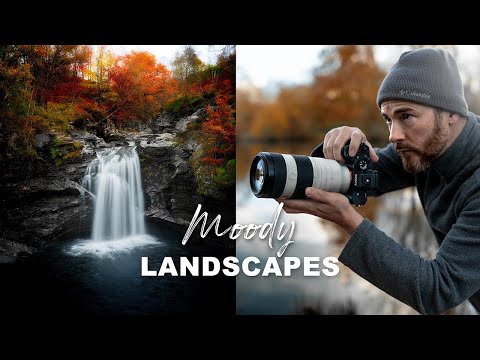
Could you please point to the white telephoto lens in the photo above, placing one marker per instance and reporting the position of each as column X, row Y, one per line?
column 329, row 175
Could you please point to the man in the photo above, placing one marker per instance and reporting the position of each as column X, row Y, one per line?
column 435, row 146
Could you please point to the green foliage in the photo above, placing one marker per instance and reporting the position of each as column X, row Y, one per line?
column 142, row 157
column 56, row 154
column 57, row 116
column 223, row 178
column 15, row 88
column 61, row 152
column 17, row 131
column 201, row 185
column 184, row 104
column 101, row 93
column 225, row 175
column 21, row 140
column 209, row 72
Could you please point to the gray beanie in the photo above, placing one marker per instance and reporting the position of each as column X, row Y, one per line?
column 425, row 76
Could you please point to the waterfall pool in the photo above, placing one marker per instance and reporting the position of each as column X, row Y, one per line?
column 53, row 283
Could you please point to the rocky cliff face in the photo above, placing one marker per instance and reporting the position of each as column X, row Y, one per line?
column 169, row 181
column 42, row 202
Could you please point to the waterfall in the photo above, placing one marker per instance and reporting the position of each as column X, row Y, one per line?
column 113, row 180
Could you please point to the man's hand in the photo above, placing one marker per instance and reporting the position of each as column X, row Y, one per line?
column 330, row 206
column 336, row 138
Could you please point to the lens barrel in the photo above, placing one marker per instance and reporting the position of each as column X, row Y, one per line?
column 274, row 175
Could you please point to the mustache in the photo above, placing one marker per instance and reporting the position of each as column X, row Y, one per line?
column 402, row 147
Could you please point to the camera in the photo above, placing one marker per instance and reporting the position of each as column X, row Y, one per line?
column 286, row 176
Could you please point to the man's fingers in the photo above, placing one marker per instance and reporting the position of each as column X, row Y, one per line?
column 300, row 206
column 356, row 139
column 373, row 154
column 325, row 141
column 339, row 143
column 317, row 194
column 328, row 143
column 289, row 210
column 336, row 138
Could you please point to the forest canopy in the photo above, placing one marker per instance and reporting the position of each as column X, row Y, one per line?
column 58, row 89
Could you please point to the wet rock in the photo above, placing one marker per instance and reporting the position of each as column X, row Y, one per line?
column 89, row 141
column 165, row 122
column 169, row 182
column 164, row 140
column 12, row 248
column 175, row 123
column 41, row 200
column 41, row 140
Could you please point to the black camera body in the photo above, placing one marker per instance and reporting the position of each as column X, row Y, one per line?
column 363, row 178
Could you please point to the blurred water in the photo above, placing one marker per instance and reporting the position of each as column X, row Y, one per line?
column 115, row 179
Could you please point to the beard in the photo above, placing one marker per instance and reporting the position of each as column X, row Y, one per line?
column 415, row 160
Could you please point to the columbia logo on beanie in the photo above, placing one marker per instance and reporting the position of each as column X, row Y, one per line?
column 425, row 76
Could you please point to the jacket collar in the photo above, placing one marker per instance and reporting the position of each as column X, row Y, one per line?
column 462, row 151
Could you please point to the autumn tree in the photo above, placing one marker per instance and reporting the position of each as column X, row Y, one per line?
column 247, row 112
column 346, row 94
column 16, row 100
column 186, row 68
column 51, row 65
column 81, row 55
column 220, row 130
column 218, row 146
column 219, row 77
column 142, row 85
column 226, row 62
column 102, row 60
column 220, row 127
column 343, row 92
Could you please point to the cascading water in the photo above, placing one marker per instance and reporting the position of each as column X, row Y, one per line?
column 119, row 198
column 113, row 179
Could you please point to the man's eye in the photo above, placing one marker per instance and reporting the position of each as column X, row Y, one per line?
column 406, row 116
column 388, row 121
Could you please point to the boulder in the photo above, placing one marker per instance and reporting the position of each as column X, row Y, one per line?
column 197, row 116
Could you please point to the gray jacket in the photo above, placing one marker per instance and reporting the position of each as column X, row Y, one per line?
column 450, row 195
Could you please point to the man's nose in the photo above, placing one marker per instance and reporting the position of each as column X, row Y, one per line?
column 396, row 133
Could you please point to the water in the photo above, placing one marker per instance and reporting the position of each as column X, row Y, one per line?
column 55, row 284
column 114, row 177
column 114, row 180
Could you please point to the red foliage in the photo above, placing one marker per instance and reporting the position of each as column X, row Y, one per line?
column 69, row 88
column 220, row 130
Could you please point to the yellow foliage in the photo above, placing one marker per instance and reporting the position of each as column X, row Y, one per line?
column 57, row 116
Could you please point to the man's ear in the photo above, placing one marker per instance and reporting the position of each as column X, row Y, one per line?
column 453, row 118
